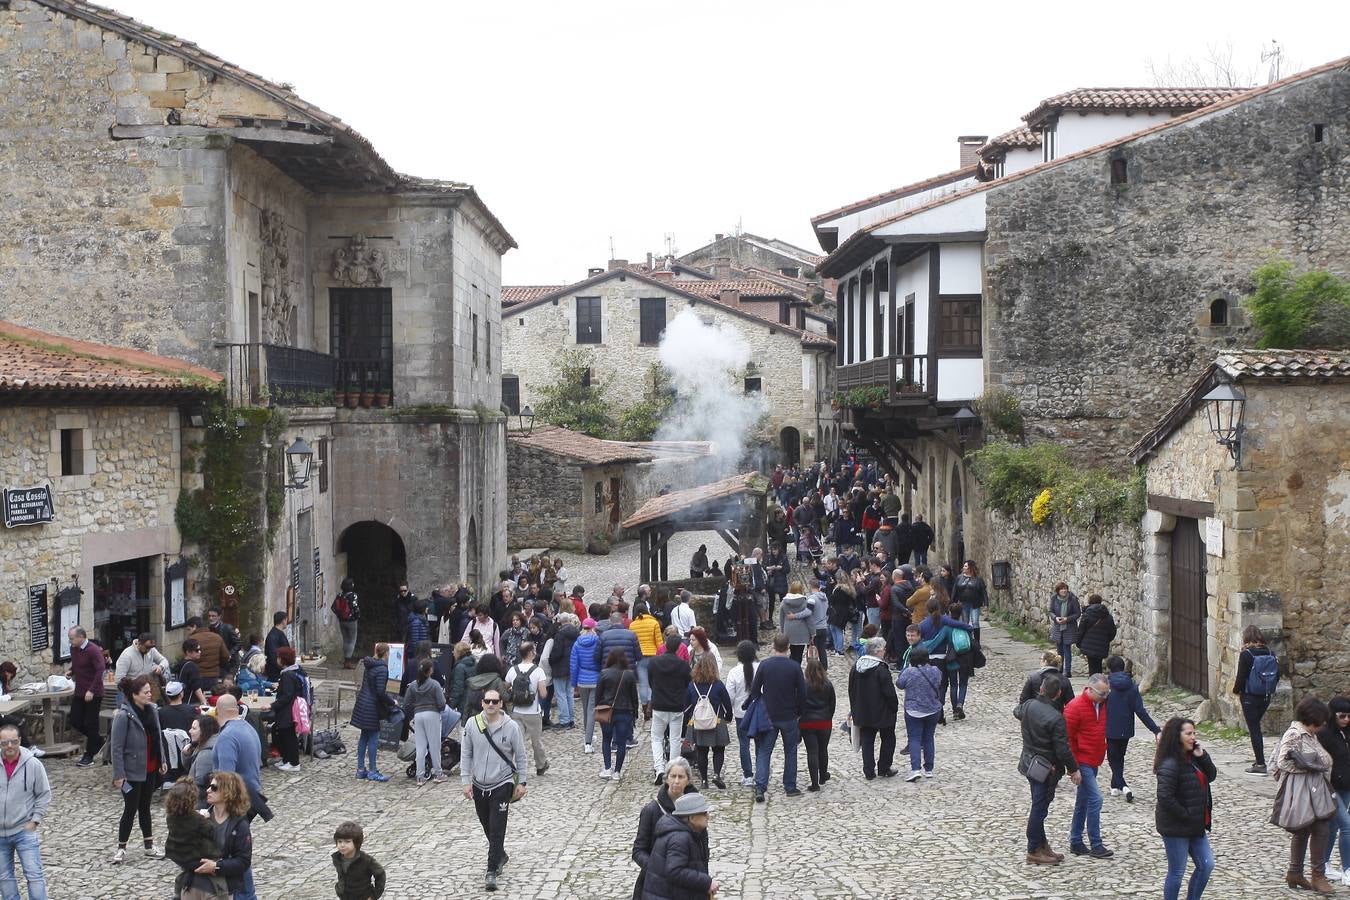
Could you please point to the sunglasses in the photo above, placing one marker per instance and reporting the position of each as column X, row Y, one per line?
column 212, row 787
column 493, row 702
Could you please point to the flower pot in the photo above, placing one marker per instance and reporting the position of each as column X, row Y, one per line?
column 353, row 399
column 339, row 398
column 383, row 399
column 367, row 399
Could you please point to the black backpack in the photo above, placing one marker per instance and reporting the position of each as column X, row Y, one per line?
column 521, row 692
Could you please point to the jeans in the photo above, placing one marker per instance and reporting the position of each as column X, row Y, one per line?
column 921, row 556
column 857, row 626
column 971, row 615
column 562, row 697
column 1178, row 849
column 248, row 891
column 493, row 807
column 874, row 616
column 764, row 755
column 1087, row 809
column 644, row 680
column 366, row 746
column 1115, row 757
column 959, row 681
column 920, row 730
column 26, row 844
column 885, row 759
column 1065, row 650
column 587, row 700
column 136, row 797
column 837, row 639
column 1042, row 792
column 616, row 734
column 743, row 738
column 822, row 648
column 1340, row 828
column 665, row 731
column 1253, row 708
column 427, row 732
column 348, row 638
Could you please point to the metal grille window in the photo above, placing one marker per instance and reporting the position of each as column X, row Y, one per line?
column 652, row 312
column 361, row 336
column 752, row 385
column 323, row 465
column 960, row 325
column 511, row 393
column 588, row 320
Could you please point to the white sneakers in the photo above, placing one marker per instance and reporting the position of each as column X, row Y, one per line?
column 1129, row 794
column 120, row 855
column 589, row 748
column 927, row 774
column 748, row 781
column 287, row 767
column 153, row 852
column 606, row 773
column 914, row 776
column 1115, row 792
column 1346, row 880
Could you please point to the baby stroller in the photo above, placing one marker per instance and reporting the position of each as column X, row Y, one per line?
column 449, row 757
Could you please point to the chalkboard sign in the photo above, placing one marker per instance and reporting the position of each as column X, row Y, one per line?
column 28, row 506
column 40, row 638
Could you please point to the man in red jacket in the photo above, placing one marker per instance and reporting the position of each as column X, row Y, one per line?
column 1085, row 718
column 86, row 668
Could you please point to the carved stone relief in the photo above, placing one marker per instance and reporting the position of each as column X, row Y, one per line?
column 276, row 279
column 358, row 264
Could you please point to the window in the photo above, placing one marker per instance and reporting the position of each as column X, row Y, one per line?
column 72, row 452
column 752, row 385
column 511, row 393
column 1218, row 312
column 475, row 339
column 323, row 465
column 652, row 313
column 960, row 326
column 361, row 336
column 791, row 271
column 784, row 314
column 998, row 168
column 588, row 320
column 599, row 497
column 586, row 378
column 487, row 338
column 1119, row 174
column 1319, row 133
column 1047, row 143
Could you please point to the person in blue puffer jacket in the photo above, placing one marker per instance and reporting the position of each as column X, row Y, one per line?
column 1122, row 705
column 585, row 669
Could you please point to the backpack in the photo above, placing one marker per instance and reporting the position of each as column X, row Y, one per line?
column 347, row 607
column 705, row 717
column 522, row 694
column 1264, row 676
column 300, row 715
column 960, row 640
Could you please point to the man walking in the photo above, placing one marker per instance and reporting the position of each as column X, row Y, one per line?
column 1045, row 758
column 670, row 679
column 276, row 639
column 682, row 616
column 492, row 768
column 820, row 623
column 25, row 795
column 1085, row 719
column 347, row 608
column 921, row 533
column 229, row 635
column 779, row 681
column 86, row 668
column 872, row 698
column 527, row 682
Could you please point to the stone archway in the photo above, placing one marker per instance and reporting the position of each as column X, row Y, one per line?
column 471, row 562
column 790, row 442
column 377, row 561
column 958, row 544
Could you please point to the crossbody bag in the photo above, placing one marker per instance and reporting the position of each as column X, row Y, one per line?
column 515, row 775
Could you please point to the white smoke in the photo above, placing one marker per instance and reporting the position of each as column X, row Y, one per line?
column 706, row 364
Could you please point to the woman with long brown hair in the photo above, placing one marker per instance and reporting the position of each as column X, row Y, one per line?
column 229, row 814
column 136, row 760
column 707, row 683
column 817, row 720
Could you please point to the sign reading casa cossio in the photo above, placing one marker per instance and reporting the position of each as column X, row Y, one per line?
column 28, row 506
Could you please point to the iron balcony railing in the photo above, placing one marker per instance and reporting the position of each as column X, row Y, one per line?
column 269, row 374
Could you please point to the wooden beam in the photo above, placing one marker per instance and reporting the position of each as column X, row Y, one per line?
column 732, row 540
column 262, row 135
column 1175, row 506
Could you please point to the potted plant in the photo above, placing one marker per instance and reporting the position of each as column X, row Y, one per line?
column 367, row 399
column 384, row 398
column 340, row 398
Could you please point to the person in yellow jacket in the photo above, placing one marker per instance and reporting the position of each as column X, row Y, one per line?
column 648, row 630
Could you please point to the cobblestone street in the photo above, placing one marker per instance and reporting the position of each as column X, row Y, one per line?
column 958, row 835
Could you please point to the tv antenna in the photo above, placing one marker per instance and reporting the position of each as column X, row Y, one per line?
column 611, row 246
column 1274, row 56
column 671, row 249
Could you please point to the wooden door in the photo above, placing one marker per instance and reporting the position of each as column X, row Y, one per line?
column 615, row 500
column 1188, row 651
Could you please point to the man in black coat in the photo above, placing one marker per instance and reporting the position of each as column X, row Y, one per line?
column 678, row 866
column 669, row 678
column 922, row 534
column 276, row 639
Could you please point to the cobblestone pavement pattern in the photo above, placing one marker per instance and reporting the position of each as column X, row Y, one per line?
column 958, row 835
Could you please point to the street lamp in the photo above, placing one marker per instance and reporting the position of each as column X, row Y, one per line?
column 966, row 422
column 527, row 420
column 1225, row 407
column 299, row 461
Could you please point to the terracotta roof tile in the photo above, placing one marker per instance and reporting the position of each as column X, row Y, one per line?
column 513, row 294
column 1020, row 138
column 690, row 499
column 894, row 194
column 583, row 448
column 1286, row 364
column 1182, row 99
column 35, row 362
column 747, row 287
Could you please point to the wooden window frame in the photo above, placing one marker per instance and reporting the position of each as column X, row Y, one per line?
column 594, row 316
column 647, row 309
column 967, row 351
column 507, row 396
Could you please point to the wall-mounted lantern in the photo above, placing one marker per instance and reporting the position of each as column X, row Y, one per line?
column 299, row 461
column 1225, row 407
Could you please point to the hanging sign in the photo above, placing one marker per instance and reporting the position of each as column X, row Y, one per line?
column 40, row 635
column 28, row 506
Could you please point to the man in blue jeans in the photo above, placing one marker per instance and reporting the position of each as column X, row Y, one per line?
column 1085, row 720
column 25, row 795
column 779, row 681
column 1044, row 741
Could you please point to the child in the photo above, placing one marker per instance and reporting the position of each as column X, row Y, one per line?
column 359, row 876
column 191, row 840
column 912, row 637
column 1122, row 705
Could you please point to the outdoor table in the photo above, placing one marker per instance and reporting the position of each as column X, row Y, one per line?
column 49, row 700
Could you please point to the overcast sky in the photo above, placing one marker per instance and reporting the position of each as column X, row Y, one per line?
column 580, row 120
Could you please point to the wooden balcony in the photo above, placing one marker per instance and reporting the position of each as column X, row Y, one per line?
column 904, row 378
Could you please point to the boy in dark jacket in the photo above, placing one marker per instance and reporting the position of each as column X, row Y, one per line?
column 1122, row 705
column 359, row 876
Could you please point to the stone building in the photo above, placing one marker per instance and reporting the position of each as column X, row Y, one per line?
column 621, row 315
column 91, row 442
column 159, row 197
column 728, row 254
column 1261, row 538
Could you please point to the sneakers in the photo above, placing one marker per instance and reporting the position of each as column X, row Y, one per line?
column 717, row 780
column 606, row 773
column 959, row 712
column 490, row 881
column 1079, row 849
column 543, row 770
column 1129, row 794
column 889, row 773
column 748, row 781
column 120, row 855
column 287, row 767
column 153, row 852
column 660, row 777
column 421, row 782
column 1115, row 792
column 374, row 776
column 85, row 762
column 1345, row 880
column 759, row 796
column 813, row 787
column 37, row 751
column 362, row 775
column 927, row 773
column 439, row 779
column 589, row 748
column 914, row 776
column 1333, row 873
column 1255, row 769
column 792, row 793
column 1100, row 853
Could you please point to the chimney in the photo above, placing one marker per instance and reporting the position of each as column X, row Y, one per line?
column 662, row 275
column 730, row 296
column 594, row 271
column 649, row 262
column 970, row 145
column 721, row 266
column 617, row 264
column 718, row 237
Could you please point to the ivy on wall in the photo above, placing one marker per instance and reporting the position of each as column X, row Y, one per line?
column 234, row 516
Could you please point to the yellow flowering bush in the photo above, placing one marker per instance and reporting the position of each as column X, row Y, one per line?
column 1040, row 507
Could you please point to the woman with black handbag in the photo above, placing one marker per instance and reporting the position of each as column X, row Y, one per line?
column 1304, row 803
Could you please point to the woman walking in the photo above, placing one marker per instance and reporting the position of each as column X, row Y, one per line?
column 617, row 689
column 679, row 780
column 1064, row 612
column 873, row 701
column 1052, row 665
column 1255, row 692
column 1305, row 804
column 1096, row 631
column 739, row 679
column 422, row 705
column 843, row 613
column 794, row 620
column 922, row 684
column 136, row 760
column 229, row 814
column 1336, row 739
column 708, row 722
column 700, row 646
column 817, row 720
column 1123, row 705
column 513, row 637
column 372, row 706
column 585, row 668
column 1185, row 801
column 648, row 630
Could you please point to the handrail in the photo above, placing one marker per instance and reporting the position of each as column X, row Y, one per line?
column 270, row 374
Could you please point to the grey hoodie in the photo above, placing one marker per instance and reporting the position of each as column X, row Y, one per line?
column 820, row 610
column 426, row 697
column 482, row 766
column 794, row 619
column 25, row 795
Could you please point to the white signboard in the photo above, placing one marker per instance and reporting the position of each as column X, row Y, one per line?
column 395, row 662
column 1214, row 537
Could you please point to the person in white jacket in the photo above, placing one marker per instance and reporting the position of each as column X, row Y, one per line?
column 141, row 658
column 25, row 795
column 738, row 682
column 682, row 616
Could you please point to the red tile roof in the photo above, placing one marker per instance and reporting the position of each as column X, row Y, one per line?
column 1176, row 100
column 1020, row 138
column 35, row 363
column 894, row 194
column 583, row 448
column 691, row 499
column 746, row 287
column 523, row 293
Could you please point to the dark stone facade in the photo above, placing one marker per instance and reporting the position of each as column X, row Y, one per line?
column 1097, row 298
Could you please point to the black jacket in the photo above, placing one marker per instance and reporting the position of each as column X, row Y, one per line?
column 1044, row 734
column 236, row 854
column 872, row 696
column 1337, row 742
column 819, row 706
column 618, row 688
column 922, row 535
column 363, row 880
column 970, row 591
column 1183, row 802
column 677, row 868
column 560, row 657
column 276, row 639
column 646, row 832
column 669, row 678
column 1245, row 666
column 1096, row 631
column 1032, row 687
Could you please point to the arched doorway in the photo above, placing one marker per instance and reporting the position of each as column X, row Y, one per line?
column 377, row 561
column 958, row 518
column 790, row 440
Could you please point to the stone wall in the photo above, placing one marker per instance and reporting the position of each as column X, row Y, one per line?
column 544, row 500
column 123, row 509
column 1097, row 295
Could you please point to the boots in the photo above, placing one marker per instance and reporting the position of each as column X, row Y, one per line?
column 1042, row 856
column 1045, row 848
column 1320, row 883
column 1296, row 880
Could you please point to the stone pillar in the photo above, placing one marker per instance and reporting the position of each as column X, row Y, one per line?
column 1156, row 594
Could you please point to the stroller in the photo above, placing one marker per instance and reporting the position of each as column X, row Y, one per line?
column 449, row 756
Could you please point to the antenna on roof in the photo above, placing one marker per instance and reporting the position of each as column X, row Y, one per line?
column 611, row 246
column 1275, row 55
column 671, row 249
